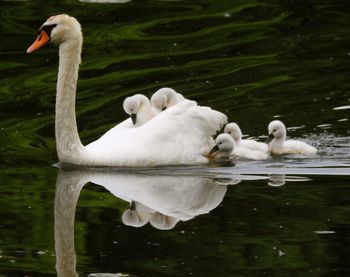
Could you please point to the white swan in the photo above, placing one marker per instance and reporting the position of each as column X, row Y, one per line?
column 279, row 146
column 177, row 136
column 236, row 133
column 165, row 98
column 225, row 149
column 139, row 108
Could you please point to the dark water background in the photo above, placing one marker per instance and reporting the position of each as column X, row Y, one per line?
column 253, row 60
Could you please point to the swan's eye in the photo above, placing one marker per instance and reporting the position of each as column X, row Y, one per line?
column 47, row 29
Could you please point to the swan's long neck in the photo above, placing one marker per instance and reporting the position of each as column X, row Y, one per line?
column 69, row 146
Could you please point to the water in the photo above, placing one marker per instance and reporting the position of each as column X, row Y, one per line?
column 254, row 61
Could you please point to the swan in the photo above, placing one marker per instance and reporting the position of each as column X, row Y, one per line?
column 279, row 145
column 177, row 136
column 225, row 149
column 236, row 133
column 139, row 108
column 165, row 98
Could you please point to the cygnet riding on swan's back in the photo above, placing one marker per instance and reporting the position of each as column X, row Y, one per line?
column 139, row 108
column 279, row 146
column 226, row 149
column 165, row 98
column 236, row 133
column 176, row 136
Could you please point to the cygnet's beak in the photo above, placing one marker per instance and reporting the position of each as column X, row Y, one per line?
column 269, row 138
column 42, row 39
column 214, row 149
column 163, row 109
column 133, row 118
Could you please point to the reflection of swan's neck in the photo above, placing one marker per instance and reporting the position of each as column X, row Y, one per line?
column 68, row 188
column 69, row 146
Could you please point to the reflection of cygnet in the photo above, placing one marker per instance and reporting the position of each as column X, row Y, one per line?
column 163, row 222
column 165, row 98
column 276, row 180
column 137, row 215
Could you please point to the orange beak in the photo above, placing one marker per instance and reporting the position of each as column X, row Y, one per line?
column 42, row 39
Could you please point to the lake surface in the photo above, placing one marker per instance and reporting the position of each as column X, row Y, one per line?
column 253, row 60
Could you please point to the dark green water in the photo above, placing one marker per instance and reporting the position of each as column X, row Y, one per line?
column 253, row 60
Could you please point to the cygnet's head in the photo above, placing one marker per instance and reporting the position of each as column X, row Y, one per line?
column 162, row 221
column 276, row 130
column 133, row 104
column 234, row 131
column 57, row 29
column 224, row 144
column 165, row 98
column 137, row 215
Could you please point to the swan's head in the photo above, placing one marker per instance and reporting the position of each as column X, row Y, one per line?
column 57, row 29
column 234, row 131
column 224, row 144
column 276, row 130
column 133, row 104
column 164, row 98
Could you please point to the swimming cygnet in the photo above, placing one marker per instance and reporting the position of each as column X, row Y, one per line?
column 165, row 98
column 139, row 108
column 236, row 133
column 279, row 146
column 225, row 149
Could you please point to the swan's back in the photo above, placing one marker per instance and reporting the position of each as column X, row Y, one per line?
column 179, row 135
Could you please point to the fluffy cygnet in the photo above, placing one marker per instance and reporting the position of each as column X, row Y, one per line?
column 236, row 133
column 139, row 108
column 165, row 98
column 278, row 144
column 225, row 149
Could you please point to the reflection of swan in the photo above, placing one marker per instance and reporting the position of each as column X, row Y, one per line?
column 179, row 135
column 161, row 200
column 236, row 133
column 180, row 197
column 165, row 98
column 279, row 146
column 68, row 186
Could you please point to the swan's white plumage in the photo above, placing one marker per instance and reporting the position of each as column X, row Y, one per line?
column 180, row 135
column 235, row 131
column 279, row 146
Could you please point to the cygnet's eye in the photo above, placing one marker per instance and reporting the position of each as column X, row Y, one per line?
column 220, row 142
column 229, row 132
column 275, row 130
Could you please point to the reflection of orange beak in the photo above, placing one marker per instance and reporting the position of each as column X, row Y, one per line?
column 42, row 39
